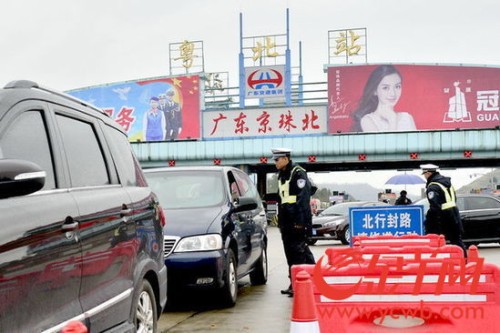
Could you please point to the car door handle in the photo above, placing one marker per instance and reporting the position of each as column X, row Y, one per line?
column 69, row 226
column 125, row 212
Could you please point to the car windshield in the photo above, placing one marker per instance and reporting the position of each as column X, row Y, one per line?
column 341, row 209
column 187, row 189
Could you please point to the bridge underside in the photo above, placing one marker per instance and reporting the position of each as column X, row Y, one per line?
column 370, row 151
column 340, row 152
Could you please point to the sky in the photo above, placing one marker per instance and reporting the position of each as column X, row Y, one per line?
column 79, row 43
column 72, row 44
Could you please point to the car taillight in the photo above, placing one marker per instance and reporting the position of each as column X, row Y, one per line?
column 163, row 219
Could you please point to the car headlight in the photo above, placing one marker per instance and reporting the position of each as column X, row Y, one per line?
column 199, row 243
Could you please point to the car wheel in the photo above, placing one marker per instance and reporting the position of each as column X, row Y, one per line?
column 145, row 315
column 310, row 241
column 259, row 274
column 229, row 292
column 345, row 237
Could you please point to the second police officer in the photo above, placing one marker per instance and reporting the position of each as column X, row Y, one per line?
column 443, row 216
column 294, row 211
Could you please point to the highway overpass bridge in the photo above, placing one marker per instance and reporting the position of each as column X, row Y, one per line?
column 333, row 152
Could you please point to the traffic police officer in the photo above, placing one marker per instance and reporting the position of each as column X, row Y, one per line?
column 443, row 216
column 294, row 211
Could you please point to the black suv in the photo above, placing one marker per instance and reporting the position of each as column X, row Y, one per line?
column 480, row 214
column 82, row 233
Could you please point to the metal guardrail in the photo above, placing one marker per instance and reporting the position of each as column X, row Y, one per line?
column 229, row 98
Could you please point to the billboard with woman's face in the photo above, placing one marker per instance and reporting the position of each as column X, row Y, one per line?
column 388, row 98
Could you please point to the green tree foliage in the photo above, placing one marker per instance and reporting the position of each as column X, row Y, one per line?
column 272, row 183
column 323, row 194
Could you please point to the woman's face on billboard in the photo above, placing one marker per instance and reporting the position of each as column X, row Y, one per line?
column 389, row 90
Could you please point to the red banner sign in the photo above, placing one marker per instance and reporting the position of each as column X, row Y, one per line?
column 387, row 98
column 298, row 120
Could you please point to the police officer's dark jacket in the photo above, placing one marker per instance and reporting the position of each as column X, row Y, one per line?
column 442, row 205
column 295, row 210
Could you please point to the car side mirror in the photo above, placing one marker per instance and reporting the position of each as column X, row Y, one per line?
column 245, row 203
column 19, row 177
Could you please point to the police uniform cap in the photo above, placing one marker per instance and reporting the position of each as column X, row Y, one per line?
column 281, row 152
column 428, row 168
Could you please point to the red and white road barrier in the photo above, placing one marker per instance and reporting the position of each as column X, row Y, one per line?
column 422, row 289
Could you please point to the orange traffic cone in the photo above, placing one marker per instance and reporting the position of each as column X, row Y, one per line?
column 74, row 327
column 304, row 317
column 472, row 254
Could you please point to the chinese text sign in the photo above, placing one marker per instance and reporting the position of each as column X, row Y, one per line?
column 264, row 122
column 386, row 220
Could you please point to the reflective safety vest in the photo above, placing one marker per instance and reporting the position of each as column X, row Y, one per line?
column 284, row 189
column 450, row 199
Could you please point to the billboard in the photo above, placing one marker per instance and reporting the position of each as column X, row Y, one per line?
column 387, row 98
column 264, row 122
column 159, row 109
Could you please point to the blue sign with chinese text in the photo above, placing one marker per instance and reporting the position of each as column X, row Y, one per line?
column 386, row 220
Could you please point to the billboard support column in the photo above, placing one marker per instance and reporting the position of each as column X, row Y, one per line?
column 242, row 66
column 288, row 69
column 301, row 79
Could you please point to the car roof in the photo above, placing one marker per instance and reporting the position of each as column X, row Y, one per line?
column 24, row 90
column 191, row 168
column 368, row 202
column 462, row 195
column 361, row 203
column 476, row 195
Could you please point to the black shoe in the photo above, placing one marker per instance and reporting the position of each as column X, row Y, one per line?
column 288, row 291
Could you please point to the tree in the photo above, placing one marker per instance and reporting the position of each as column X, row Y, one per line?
column 323, row 194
